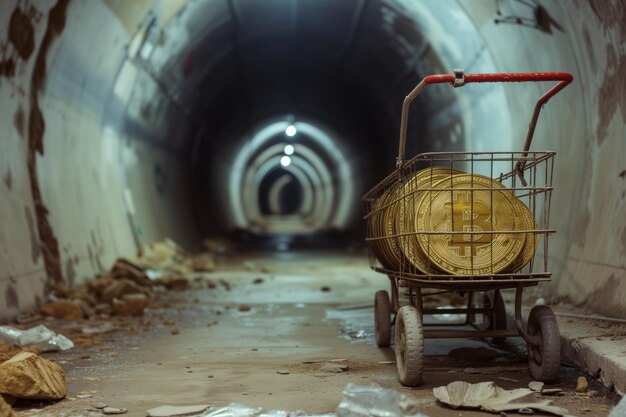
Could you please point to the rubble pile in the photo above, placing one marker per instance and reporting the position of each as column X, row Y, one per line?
column 128, row 287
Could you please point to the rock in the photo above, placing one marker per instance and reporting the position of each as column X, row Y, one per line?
column 83, row 396
column 98, row 285
column 244, row 308
column 27, row 375
column 325, row 288
column 283, row 372
column 5, row 409
column 63, row 310
column 99, row 406
column 104, row 308
column 335, row 368
column 119, row 288
column 203, row 263
column 581, row 384
column 88, row 310
column 113, row 410
column 174, row 411
column 535, row 386
column 133, row 270
column 175, row 283
column 130, row 305
column 258, row 281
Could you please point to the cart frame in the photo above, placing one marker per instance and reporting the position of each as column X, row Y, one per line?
column 541, row 334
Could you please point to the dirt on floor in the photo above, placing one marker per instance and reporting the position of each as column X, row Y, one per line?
column 261, row 331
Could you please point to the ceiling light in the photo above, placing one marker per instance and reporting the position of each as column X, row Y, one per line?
column 291, row 131
column 285, row 161
column 289, row 149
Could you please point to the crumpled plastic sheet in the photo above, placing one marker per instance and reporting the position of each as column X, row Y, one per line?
column 358, row 401
column 366, row 401
column 37, row 337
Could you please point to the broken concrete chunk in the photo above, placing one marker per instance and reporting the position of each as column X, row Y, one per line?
column 63, row 310
column 336, row 368
column 5, row 409
column 581, row 384
column 27, row 375
column 130, row 305
column 174, row 411
column 490, row 397
column 119, row 288
column 132, row 270
column 203, row 263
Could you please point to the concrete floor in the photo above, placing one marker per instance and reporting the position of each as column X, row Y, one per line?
column 203, row 346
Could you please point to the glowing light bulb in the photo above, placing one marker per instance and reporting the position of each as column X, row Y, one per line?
column 289, row 149
column 285, row 161
column 291, row 131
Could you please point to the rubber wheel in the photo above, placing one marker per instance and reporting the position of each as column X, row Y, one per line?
column 497, row 319
column 382, row 318
column 409, row 344
column 544, row 360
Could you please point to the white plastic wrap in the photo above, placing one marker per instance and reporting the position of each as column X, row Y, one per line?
column 38, row 337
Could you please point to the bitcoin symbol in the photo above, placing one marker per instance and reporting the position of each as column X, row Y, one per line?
column 467, row 217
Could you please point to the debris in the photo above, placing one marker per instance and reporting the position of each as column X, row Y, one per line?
column 119, row 288
column 504, row 378
column 489, row 397
column 361, row 401
column 203, row 263
column 113, row 410
column 27, row 375
column 234, row 410
column 325, row 288
column 83, row 396
column 535, row 386
column 63, row 310
column 244, row 308
column 99, row 406
column 105, row 327
column 581, row 384
column 5, row 408
column 334, row 368
column 175, row 282
column 258, row 281
column 283, row 372
column 550, row 391
column 38, row 337
column 174, row 411
column 132, row 269
column 175, row 332
column 27, row 318
column 130, row 305
column 473, row 353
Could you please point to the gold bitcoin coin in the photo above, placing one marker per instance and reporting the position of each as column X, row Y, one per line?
column 377, row 219
column 532, row 240
column 402, row 222
column 474, row 208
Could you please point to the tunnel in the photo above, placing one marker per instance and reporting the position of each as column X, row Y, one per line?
column 129, row 122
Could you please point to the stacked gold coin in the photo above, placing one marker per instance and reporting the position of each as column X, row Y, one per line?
column 422, row 219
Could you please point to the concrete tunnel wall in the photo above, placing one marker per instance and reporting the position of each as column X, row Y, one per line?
column 96, row 140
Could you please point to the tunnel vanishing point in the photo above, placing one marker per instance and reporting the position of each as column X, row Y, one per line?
column 125, row 122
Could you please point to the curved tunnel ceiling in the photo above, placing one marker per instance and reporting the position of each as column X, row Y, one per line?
column 346, row 65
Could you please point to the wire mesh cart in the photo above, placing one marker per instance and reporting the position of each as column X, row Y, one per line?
column 468, row 223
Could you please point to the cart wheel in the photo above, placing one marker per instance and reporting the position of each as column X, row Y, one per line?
column 497, row 319
column 544, row 360
column 409, row 346
column 382, row 318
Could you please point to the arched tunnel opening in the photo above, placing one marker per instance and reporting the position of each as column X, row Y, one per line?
column 257, row 126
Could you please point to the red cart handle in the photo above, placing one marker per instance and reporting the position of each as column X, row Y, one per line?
column 459, row 79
